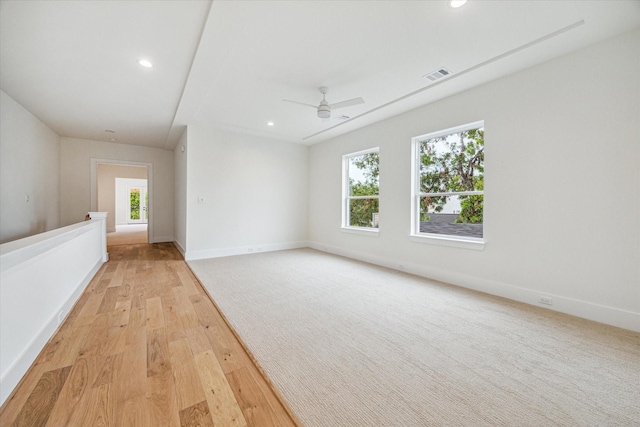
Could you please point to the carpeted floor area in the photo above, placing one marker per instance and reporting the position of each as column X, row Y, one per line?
column 351, row 344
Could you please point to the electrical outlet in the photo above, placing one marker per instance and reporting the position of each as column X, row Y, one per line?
column 545, row 300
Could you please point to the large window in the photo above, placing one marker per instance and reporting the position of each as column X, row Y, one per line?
column 360, row 178
column 448, row 183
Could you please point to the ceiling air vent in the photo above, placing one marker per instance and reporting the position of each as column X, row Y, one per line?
column 437, row 75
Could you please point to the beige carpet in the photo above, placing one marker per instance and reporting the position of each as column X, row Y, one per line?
column 350, row 344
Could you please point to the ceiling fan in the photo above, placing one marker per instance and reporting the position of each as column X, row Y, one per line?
column 324, row 109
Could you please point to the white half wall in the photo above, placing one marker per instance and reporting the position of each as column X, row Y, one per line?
column 76, row 156
column 42, row 278
column 29, row 173
column 561, row 186
column 243, row 193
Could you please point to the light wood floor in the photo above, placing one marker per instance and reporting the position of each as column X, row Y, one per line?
column 144, row 346
column 128, row 235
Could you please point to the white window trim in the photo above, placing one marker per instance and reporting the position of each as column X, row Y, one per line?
column 370, row 231
column 363, row 231
column 448, row 240
column 430, row 238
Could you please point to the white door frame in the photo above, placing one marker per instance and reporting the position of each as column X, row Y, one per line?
column 94, row 187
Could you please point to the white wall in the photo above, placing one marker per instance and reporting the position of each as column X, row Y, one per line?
column 75, row 180
column 561, row 186
column 180, row 193
column 255, row 193
column 29, row 166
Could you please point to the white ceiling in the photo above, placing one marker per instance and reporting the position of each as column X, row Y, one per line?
column 229, row 64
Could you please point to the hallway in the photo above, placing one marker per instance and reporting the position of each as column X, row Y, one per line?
column 144, row 346
column 129, row 234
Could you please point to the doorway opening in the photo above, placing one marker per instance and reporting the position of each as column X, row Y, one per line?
column 132, row 201
column 123, row 189
column 138, row 201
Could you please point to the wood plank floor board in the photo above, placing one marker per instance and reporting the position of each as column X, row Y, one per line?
column 107, row 370
column 198, row 341
column 227, row 349
column 137, row 318
column 188, row 388
column 89, row 310
column 120, row 316
column 98, row 334
column 197, row 415
column 161, row 400
column 134, row 412
column 158, row 358
column 100, row 411
column 145, row 346
column 132, row 377
column 16, row 401
column 37, row 409
column 222, row 403
column 256, row 409
column 188, row 281
column 71, row 347
column 76, row 389
column 109, row 300
column 118, row 276
column 172, row 318
column 155, row 313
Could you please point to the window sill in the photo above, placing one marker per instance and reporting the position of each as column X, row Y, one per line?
column 450, row 241
column 360, row 230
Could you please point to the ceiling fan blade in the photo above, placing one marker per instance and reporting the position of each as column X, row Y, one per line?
column 300, row 103
column 348, row 103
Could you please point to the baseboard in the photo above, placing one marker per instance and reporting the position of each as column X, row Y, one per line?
column 18, row 369
column 162, row 239
column 584, row 309
column 243, row 250
column 179, row 247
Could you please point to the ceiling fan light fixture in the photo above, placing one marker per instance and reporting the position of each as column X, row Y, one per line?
column 324, row 112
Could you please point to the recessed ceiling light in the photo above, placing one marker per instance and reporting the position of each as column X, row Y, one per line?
column 457, row 3
column 270, row 123
column 145, row 63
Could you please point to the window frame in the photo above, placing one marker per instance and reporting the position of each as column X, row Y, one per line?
column 465, row 242
column 346, row 197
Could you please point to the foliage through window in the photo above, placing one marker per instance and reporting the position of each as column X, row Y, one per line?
column 135, row 203
column 449, row 182
column 361, row 188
